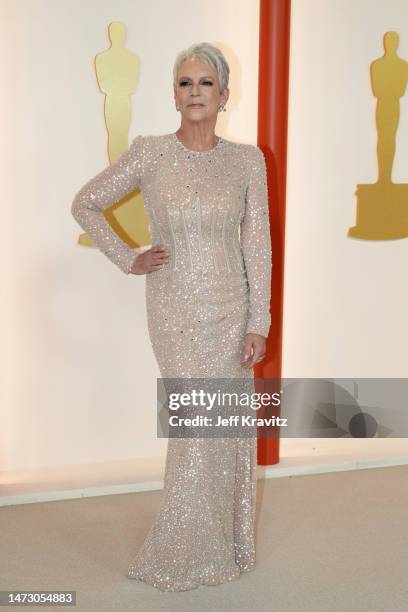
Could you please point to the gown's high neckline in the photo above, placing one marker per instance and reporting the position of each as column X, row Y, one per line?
column 192, row 151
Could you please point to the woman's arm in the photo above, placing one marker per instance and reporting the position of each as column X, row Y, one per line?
column 109, row 186
column 256, row 246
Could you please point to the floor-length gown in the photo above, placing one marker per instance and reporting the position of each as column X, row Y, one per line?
column 210, row 209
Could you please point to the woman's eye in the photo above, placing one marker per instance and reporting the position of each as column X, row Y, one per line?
column 184, row 83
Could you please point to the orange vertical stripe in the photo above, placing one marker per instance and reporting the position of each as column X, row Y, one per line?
column 274, row 45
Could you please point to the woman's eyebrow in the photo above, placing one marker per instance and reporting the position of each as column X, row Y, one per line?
column 189, row 78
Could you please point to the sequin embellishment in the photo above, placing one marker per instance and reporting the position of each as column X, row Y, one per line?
column 210, row 209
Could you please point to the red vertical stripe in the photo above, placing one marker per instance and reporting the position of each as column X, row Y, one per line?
column 274, row 45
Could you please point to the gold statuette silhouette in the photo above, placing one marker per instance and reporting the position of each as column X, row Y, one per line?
column 117, row 71
column 382, row 207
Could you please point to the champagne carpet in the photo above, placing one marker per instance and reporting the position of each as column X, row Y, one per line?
column 335, row 542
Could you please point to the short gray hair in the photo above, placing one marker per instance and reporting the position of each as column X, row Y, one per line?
column 205, row 52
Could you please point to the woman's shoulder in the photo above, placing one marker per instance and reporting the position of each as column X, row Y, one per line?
column 253, row 150
column 149, row 147
column 244, row 148
column 155, row 144
column 250, row 156
column 149, row 140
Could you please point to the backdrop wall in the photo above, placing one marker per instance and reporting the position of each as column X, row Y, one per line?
column 345, row 300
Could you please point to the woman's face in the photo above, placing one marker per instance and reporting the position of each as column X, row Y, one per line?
column 197, row 83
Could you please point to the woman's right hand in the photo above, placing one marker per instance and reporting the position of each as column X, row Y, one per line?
column 150, row 260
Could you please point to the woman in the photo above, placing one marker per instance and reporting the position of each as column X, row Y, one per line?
column 208, row 277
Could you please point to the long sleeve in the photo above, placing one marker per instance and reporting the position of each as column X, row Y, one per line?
column 109, row 186
column 256, row 246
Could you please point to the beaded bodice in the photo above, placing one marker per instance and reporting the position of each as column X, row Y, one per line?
column 209, row 208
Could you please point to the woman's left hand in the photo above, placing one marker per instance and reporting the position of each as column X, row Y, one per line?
column 254, row 350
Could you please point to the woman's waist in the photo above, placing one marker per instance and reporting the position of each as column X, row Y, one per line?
column 205, row 253
column 197, row 281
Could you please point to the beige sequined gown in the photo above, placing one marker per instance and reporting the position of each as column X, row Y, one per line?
column 211, row 210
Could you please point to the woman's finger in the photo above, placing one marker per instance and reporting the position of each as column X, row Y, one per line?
column 257, row 356
column 247, row 360
column 158, row 248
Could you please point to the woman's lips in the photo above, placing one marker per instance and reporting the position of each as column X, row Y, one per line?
column 195, row 105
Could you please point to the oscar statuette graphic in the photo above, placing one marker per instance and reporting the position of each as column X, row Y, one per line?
column 382, row 207
column 117, row 71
